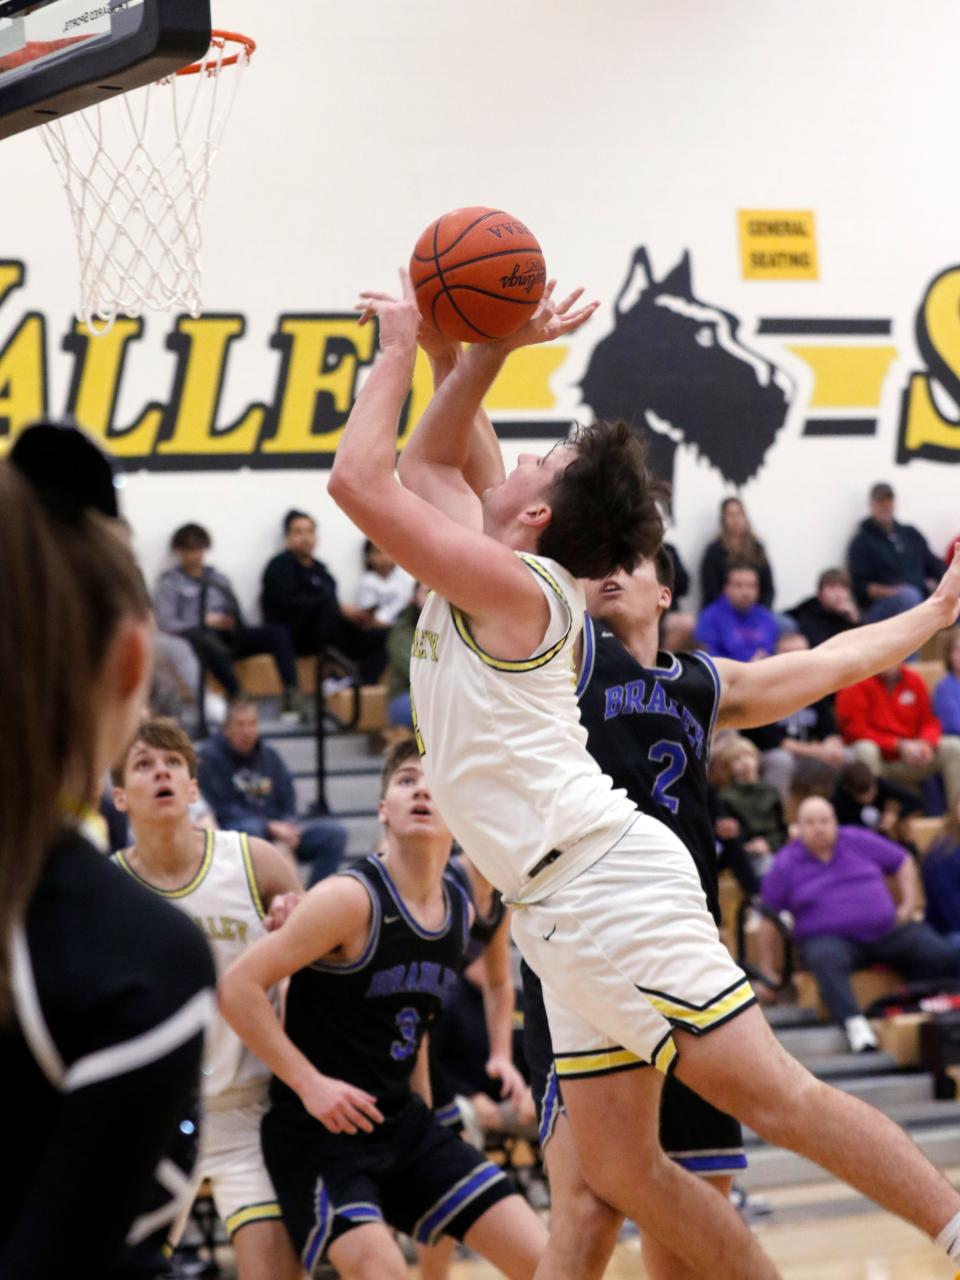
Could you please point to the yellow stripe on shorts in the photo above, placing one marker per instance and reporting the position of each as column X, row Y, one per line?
column 264, row 1212
column 707, row 1017
column 584, row 1064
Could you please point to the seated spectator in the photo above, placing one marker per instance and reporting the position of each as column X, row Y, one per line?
column 832, row 610
column 384, row 589
column 736, row 626
column 941, row 880
column 946, row 696
column 250, row 789
column 300, row 593
column 676, row 625
column 831, row 880
column 197, row 602
column 889, row 722
column 891, row 565
column 805, row 750
column 861, row 799
column 736, row 543
column 399, row 644
column 755, row 805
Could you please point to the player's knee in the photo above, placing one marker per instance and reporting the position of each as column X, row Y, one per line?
column 584, row 1228
column 618, row 1184
column 781, row 1105
column 378, row 1260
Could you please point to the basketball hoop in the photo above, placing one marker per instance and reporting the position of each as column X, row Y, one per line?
column 136, row 171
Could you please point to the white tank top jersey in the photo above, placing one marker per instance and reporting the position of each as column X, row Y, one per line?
column 503, row 749
column 223, row 900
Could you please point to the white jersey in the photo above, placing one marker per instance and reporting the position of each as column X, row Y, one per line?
column 503, row 748
column 224, row 901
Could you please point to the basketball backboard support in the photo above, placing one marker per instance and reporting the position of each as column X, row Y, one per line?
column 60, row 56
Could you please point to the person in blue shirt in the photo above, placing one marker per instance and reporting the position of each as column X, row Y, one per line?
column 946, row 696
column 735, row 625
column 250, row 789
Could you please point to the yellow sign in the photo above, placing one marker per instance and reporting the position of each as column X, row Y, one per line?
column 778, row 244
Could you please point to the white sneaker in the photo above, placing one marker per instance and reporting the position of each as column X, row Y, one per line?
column 860, row 1035
column 214, row 709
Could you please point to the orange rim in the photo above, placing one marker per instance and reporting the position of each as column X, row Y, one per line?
column 219, row 40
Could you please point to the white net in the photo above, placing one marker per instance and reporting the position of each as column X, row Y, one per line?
column 136, row 171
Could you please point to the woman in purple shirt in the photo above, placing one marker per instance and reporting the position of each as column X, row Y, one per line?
column 831, row 880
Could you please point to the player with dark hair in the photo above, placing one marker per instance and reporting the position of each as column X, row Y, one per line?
column 104, row 990
column 371, row 954
column 225, row 882
column 610, row 910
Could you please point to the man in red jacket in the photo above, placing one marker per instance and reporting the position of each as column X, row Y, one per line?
column 890, row 723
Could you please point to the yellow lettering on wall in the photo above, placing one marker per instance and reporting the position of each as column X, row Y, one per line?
column 11, row 277
column 23, row 376
column 203, row 346
column 96, row 384
column 846, row 376
column 924, row 430
column 322, row 359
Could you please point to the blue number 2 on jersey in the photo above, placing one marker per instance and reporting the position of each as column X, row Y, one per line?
column 675, row 763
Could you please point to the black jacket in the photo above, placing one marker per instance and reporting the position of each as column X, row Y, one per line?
column 898, row 556
column 293, row 591
column 816, row 622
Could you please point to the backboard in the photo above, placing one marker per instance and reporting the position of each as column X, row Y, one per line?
column 59, row 56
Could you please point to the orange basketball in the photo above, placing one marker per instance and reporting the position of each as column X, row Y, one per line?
column 479, row 273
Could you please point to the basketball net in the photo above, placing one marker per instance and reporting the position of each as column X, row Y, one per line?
column 136, row 171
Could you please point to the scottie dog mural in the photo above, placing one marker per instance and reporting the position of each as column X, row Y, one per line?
column 675, row 369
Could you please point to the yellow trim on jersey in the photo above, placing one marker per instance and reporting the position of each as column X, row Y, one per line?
column 205, row 864
column 251, row 874
column 581, row 1064
column 519, row 664
column 703, row 1019
column 417, row 735
column 269, row 1210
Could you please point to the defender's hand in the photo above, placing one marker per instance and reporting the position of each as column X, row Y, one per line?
column 550, row 320
column 340, row 1107
column 282, row 906
column 512, row 1083
column 399, row 317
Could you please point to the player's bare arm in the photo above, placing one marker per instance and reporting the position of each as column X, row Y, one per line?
column 476, row 573
column 272, row 871
column 453, row 455
column 499, row 1001
column 332, row 922
column 756, row 693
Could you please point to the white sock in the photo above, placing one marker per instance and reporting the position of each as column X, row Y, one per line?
column 949, row 1238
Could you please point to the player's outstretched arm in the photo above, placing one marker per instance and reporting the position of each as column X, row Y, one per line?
column 479, row 575
column 440, row 460
column 334, row 914
column 758, row 693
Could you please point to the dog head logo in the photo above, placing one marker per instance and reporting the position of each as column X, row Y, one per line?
column 676, row 370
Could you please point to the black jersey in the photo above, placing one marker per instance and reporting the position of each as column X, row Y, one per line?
column 649, row 729
column 484, row 926
column 363, row 1022
column 112, row 989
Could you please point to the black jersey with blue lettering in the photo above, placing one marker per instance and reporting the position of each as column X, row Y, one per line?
column 649, row 729
column 363, row 1022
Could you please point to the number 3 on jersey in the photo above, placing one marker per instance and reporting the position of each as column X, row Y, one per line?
column 407, row 1020
column 674, row 760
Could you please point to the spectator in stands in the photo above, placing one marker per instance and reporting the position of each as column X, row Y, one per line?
column 941, row 880
column 891, row 565
column 946, row 696
column 198, row 603
column 755, row 805
column 806, row 749
column 384, row 589
column 861, row 799
column 736, row 543
column 677, row 626
column 832, row 610
column 890, row 724
column 399, row 645
column 831, row 880
column 250, row 789
column 300, row 593
column 736, row 625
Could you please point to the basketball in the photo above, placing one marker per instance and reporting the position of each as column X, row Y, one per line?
column 479, row 273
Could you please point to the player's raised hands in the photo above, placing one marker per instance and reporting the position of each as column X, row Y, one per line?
column 340, row 1107
column 551, row 319
column 399, row 317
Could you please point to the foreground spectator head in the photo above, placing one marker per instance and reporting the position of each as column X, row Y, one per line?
column 742, row 586
column 242, row 726
column 733, row 520
column 882, row 503
column 189, row 544
column 300, row 534
column 834, row 591
column 817, row 826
